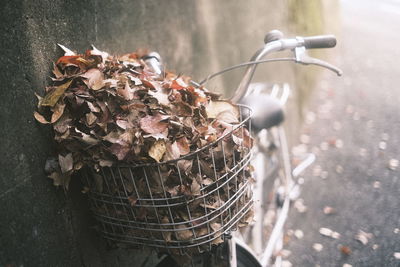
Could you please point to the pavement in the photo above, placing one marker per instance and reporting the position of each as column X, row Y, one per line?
column 349, row 209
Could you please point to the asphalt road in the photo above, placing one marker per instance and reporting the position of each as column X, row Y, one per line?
column 353, row 125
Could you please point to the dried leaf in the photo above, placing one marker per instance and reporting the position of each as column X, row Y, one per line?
column 222, row 110
column 183, row 234
column 58, row 112
column 120, row 151
column 40, row 118
column 67, row 51
column 154, row 124
column 318, row 247
column 161, row 96
column 66, row 163
column 127, row 92
column 183, row 146
column 94, row 79
column 195, row 188
column 157, row 150
column 172, row 151
column 345, row 250
column 52, row 97
column 90, row 118
column 363, row 237
column 97, row 52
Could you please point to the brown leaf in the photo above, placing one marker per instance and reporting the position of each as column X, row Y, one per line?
column 119, row 151
column 178, row 84
column 52, row 97
column 185, row 165
column 40, row 118
column 87, row 138
column 58, row 111
column 161, row 96
column 127, row 92
column 66, row 163
column 195, row 188
column 184, row 234
column 90, row 118
column 57, row 73
column 68, row 52
column 92, row 107
column 157, row 150
column 172, row 151
column 154, row 124
column 97, row 52
column 94, row 79
column 223, row 110
column 345, row 250
column 183, row 146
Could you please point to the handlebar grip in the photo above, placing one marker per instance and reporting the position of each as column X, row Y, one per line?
column 320, row 41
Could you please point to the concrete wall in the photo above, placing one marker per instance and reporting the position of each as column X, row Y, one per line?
column 45, row 226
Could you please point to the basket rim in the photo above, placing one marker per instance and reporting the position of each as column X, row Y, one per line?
column 235, row 127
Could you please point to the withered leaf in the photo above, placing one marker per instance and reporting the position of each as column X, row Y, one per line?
column 157, row 150
column 178, row 84
column 94, row 79
column 66, row 163
column 195, row 188
column 127, row 92
column 184, row 234
column 161, row 96
column 183, row 146
column 40, row 118
column 90, row 118
column 52, row 97
column 58, row 111
column 120, row 151
column 154, row 124
column 223, row 110
column 68, row 52
column 116, row 109
column 172, row 151
column 92, row 107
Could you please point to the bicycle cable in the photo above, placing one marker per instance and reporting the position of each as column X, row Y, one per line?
column 209, row 77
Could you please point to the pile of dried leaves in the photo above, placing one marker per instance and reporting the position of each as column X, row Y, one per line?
column 105, row 110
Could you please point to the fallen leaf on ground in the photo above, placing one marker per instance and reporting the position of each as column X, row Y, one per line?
column 363, row 237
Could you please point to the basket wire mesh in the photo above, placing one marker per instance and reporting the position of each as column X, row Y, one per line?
column 183, row 206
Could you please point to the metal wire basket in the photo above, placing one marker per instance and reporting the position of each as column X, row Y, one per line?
column 159, row 204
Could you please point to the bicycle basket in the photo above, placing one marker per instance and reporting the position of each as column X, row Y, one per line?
column 183, row 205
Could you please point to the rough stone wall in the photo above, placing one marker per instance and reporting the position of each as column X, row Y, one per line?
column 42, row 225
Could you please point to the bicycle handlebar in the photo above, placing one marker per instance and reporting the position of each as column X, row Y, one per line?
column 320, row 41
column 274, row 41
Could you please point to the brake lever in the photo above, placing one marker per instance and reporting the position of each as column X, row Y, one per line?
column 302, row 58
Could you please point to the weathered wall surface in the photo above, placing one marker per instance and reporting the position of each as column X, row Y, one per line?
column 42, row 225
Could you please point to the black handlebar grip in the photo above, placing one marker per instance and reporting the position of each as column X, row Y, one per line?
column 320, row 41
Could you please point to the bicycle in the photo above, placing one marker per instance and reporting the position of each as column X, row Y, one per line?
column 273, row 171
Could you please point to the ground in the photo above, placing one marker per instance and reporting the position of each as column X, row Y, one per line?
column 353, row 127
